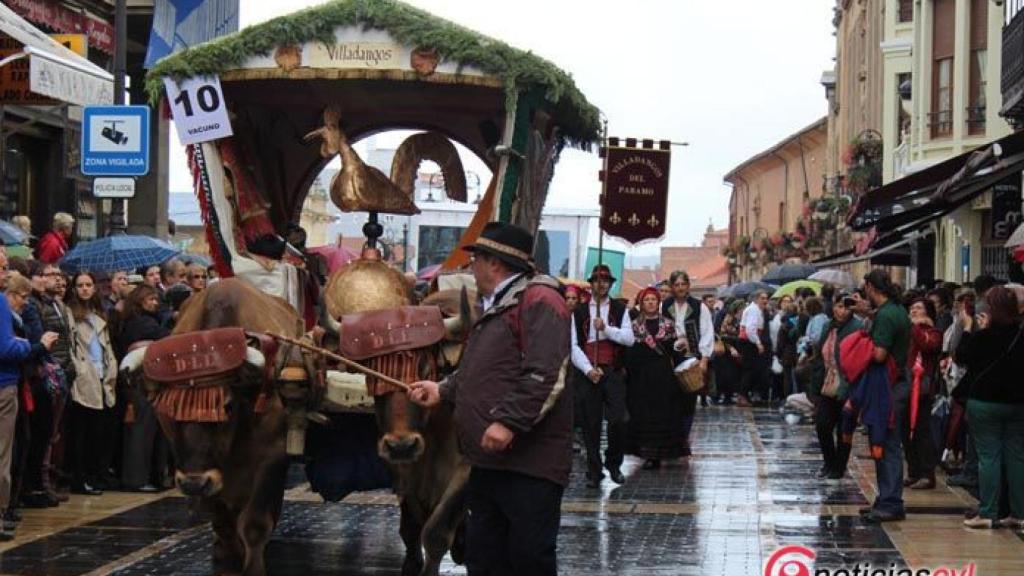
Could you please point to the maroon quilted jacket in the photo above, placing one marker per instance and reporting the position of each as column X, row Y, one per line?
column 514, row 372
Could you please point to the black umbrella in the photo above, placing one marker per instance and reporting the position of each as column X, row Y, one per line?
column 786, row 273
column 745, row 289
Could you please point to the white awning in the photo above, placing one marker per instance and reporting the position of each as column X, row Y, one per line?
column 54, row 70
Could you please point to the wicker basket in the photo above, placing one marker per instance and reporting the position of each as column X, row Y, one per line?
column 691, row 380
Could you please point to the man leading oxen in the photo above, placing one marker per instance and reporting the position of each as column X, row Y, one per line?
column 216, row 397
column 514, row 426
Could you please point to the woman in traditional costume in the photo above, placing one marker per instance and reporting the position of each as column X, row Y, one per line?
column 657, row 405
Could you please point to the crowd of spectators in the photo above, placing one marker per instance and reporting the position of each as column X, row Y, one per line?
column 67, row 425
column 930, row 374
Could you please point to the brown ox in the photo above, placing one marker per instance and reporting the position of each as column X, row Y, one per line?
column 420, row 446
column 236, row 464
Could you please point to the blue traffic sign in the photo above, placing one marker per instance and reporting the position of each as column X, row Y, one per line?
column 115, row 141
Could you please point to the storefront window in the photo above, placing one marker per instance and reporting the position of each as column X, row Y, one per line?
column 552, row 252
column 436, row 243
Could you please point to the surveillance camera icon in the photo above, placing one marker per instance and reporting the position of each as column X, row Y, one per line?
column 110, row 132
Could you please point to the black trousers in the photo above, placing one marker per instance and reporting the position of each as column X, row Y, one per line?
column 605, row 400
column 756, row 369
column 90, row 449
column 40, row 434
column 827, row 419
column 19, row 461
column 921, row 453
column 512, row 524
column 146, row 451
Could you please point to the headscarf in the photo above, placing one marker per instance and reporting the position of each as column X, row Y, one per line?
column 649, row 290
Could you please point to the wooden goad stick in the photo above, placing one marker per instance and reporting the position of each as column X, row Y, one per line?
column 351, row 364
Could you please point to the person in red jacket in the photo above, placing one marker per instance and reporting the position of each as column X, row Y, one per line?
column 54, row 244
column 925, row 347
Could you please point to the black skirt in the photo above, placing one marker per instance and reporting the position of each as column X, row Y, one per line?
column 658, row 408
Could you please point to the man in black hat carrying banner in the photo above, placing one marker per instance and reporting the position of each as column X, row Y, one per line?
column 513, row 424
column 600, row 332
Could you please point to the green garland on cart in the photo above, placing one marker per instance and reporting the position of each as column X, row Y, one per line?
column 522, row 71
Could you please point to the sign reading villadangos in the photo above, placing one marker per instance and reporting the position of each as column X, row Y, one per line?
column 634, row 203
column 366, row 55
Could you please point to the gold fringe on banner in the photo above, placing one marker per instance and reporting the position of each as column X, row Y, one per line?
column 190, row 404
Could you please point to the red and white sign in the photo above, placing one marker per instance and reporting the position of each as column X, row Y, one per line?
column 63, row 19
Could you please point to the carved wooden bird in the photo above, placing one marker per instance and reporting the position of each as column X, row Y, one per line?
column 358, row 187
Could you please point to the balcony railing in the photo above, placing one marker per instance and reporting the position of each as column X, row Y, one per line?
column 941, row 123
column 975, row 119
column 1013, row 60
column 900, row 160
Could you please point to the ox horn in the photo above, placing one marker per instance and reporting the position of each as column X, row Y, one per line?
column 454, row 327
column 255, row 358
column 328, row 322
column 133, row 360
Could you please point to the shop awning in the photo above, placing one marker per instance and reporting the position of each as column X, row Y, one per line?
column 940, row 189
column 892, row 249
column 55, row 71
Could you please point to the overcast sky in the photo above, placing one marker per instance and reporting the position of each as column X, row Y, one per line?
column 731, row 78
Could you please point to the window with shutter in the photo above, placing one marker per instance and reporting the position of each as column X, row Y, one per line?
column 906, row 11
column 979, row 56
column 940, row 119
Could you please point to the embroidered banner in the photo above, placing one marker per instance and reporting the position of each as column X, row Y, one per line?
column 634, row 203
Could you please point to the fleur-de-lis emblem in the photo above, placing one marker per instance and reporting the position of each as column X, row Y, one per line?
column 653, row 221
column 634, row 220
column 615, row 219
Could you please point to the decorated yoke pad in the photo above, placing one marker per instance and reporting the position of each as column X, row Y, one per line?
column 369, row 334
column 195, row 355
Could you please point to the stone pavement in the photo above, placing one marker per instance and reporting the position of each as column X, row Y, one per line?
column 749, row 490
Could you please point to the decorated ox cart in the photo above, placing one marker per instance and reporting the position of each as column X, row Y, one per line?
column 298, row 91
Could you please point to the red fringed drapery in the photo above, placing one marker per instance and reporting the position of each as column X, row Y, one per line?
column 219, row 252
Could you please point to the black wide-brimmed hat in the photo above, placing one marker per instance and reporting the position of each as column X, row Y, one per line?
column 510, row 244
column 602, row 272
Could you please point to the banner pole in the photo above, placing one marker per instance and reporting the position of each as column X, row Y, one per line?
column 600, row 231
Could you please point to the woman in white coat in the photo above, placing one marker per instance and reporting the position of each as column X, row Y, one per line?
column 91, row 411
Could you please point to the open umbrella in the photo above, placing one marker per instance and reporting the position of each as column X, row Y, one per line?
column 19, row 251
column 835, row 277
column 190, row 258
column 782, row 273
column 335, row 256
column 745, row 289
column 791, row 288
column 1017, row 238
column 114, row 253
column 10, row 234
column 428, row 273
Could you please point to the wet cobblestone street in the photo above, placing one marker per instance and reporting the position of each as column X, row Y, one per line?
column 749, row 489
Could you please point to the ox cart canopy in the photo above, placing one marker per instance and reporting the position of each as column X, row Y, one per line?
column 386, row 65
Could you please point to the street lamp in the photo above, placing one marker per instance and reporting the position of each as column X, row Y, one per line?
column 430, row 186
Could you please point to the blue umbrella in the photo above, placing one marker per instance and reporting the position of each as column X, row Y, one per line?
column 11, row 234
column 117, row 253
column 190, row 258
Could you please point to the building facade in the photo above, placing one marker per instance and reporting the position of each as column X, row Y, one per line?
column 773, row 202
column 40, row 138
column 942, row 98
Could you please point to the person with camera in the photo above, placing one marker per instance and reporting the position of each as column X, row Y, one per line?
column 922, row 362
column 992, row 350
column 830, row 389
